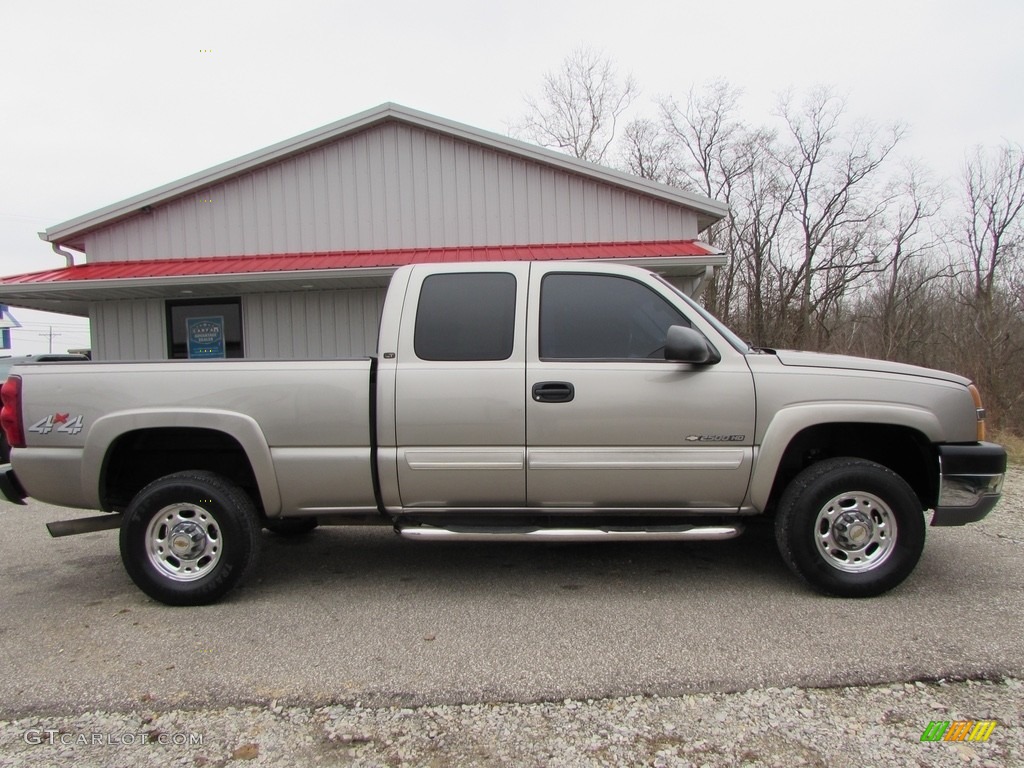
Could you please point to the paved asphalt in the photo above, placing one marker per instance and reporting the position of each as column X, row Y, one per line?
column 351, row 615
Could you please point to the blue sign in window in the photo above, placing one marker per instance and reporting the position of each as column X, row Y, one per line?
column 205, row 337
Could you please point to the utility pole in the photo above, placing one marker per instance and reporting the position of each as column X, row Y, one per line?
column 51, row 334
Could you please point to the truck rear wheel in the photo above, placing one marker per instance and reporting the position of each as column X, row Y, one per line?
column 850, row 527
column 188, row 538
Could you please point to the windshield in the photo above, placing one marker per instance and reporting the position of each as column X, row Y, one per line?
column 731, row 337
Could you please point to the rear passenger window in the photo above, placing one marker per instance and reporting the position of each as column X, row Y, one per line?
column 603, row 317
column 466, row 317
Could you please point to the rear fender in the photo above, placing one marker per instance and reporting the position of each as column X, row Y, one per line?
column 244, row 429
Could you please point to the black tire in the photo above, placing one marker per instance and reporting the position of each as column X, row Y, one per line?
column 188, row 538
column 850, row 527
column 291, row 526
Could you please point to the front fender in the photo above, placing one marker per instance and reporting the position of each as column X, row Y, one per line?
column 792, row 420
column 244, row 429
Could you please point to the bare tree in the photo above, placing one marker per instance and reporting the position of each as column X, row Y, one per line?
column 894, row 314
column 762, row 201
column 990, row 234
column 649, row 153
column 837, row 204
column 579, row 106
column 904, row 289
column 713, row 154
column 707, row 131
column 994, row 198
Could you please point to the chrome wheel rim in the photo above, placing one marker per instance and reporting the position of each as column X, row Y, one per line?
column 855, row 532
column 183, row 542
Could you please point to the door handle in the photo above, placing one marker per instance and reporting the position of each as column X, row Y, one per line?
column 553, row 392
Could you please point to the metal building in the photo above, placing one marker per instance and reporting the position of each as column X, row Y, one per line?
column 292, row 246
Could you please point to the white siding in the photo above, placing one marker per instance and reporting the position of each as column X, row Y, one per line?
column 128, row 330
column 312, row 324
column 392, row 186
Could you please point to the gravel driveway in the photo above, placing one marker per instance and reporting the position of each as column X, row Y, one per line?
column 877, row 725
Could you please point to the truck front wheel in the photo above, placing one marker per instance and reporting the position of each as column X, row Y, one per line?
column 850, row 527
column 188, row 538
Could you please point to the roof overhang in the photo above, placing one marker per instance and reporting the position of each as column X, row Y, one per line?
column 71, row 290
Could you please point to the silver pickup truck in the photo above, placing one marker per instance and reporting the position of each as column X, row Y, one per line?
column 509, row 401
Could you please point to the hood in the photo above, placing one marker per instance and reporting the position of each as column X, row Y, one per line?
column 845, row 362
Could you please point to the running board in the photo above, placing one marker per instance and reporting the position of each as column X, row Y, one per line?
column 659, row 533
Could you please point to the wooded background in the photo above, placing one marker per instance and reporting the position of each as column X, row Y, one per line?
column 836, row 245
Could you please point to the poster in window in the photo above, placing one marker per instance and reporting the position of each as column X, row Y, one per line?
column 205, row 337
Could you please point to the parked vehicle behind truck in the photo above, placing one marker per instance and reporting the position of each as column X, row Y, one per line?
column 510, row 401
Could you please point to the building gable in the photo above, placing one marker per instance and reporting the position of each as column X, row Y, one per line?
column 392, row 185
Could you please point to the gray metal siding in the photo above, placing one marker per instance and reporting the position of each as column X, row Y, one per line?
column 128, row 330
column 392, row 186
column 313, row 324
column 288, row 326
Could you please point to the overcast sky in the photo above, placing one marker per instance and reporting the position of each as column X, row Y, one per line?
column 105, row 100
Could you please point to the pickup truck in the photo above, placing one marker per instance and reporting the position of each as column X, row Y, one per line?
column 509, row 401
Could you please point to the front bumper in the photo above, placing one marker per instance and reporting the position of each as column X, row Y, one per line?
column 970, row 482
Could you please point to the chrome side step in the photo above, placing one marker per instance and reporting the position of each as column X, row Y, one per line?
column 659, row 533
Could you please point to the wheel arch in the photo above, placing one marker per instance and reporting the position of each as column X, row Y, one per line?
column 127, row 451
column 906, row 446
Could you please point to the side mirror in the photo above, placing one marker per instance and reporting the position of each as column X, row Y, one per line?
column 685, row 345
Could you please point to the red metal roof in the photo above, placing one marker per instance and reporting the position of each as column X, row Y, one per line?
column 297, row 262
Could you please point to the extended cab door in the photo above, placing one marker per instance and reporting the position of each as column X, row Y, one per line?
column 459, row 404
column 610, row 423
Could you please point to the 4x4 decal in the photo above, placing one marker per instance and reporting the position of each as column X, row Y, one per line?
column 62, row 422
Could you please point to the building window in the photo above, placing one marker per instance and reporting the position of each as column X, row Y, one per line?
column 204, row 329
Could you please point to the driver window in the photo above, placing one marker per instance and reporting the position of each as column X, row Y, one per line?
column 603, row 317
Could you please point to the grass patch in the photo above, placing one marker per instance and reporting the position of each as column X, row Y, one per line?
column 1013, row 444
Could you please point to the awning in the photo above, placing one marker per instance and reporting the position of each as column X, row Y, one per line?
column 70, row 289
